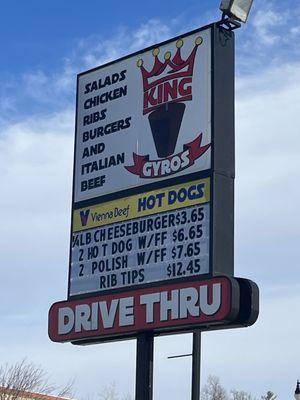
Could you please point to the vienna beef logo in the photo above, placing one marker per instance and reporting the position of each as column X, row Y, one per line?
column 84, row 216
column 166, row 89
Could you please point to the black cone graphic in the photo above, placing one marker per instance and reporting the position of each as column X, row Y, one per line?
column 165, row 124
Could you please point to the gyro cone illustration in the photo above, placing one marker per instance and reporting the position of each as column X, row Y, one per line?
column 165, row 123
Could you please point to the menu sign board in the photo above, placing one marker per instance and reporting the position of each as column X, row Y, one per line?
column 153, row 193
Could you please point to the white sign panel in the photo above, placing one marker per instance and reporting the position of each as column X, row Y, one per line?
column 151, row 237
column 131, row 253
column 144, row 119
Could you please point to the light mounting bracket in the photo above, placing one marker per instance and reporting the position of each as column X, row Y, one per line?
column 228, row 23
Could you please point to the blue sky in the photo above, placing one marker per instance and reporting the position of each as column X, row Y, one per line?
column 43, row 46
column 46, row 44
column 45, row 33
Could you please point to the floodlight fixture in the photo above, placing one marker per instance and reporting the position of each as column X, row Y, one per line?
column 236, row 9
column 297, row 391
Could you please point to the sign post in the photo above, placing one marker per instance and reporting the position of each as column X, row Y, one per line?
column 152, row 241
column 144, row 366
column 196, row 365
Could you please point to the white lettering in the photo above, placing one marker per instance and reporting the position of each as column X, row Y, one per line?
column 149, row 300
column 188, row 302
column 167, row 305
column 166, row 166
column 156, row 166
column 185, row 159
column 94, row 317
column 66, row 320
column 82, row 318
column 108, row 316
column 126, row 313
column 210, row 309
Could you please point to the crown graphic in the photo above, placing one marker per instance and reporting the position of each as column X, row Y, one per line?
column 178, row 66
column 161, row 83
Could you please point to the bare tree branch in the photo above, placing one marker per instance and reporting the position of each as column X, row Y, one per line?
column 269, row 396
column 213, row 390
column 21, row 379
column 240, row 395
column 109, row 393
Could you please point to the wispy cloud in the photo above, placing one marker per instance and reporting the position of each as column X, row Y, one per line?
column 36, row 85
column 47, row 88
column 295, row 31
column 96, row 50
column 268, row 40
column 268, row 165
column 267, row 24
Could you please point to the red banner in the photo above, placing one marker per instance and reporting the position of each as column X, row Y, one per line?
column 166, row 308
column 146, row 168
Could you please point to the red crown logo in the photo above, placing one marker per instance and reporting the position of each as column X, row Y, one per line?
column 175, row 84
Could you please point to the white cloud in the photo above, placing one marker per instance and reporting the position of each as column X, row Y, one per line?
column 152, row 32
column 35, row 85
column 268, row 169
column 52, row 89
column 265, row 23
column 95, row 50
column 295, row 31
column 7, row 105
column 270, row 37
column 35, row 176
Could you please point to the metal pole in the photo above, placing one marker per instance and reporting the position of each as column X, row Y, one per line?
column 144, row 367
column 196, row 366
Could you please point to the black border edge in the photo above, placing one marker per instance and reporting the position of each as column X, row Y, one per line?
column 249, row 306
column 73, row 190
column 223, row 163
